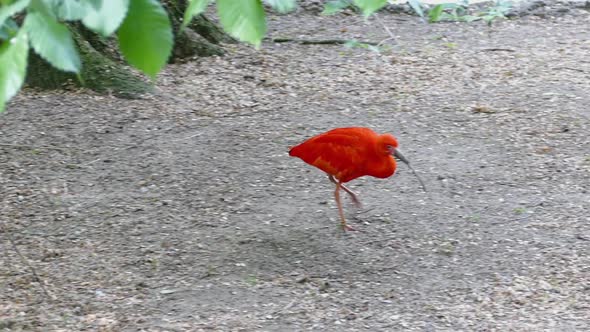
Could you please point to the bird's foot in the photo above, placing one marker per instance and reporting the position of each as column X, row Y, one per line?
column 356, row 202
column 346, row 227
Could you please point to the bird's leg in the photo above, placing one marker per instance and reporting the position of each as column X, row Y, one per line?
column 340, row 210
column 353, row 196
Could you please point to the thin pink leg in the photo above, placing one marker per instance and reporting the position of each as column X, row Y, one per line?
column 353, row 196
column 340, row 210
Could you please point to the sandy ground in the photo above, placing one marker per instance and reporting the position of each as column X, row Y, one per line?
column 183, row 211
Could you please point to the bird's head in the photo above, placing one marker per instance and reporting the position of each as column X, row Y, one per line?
column 388, row 140
column 390, row 145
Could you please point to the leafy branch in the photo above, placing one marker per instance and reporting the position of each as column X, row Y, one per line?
column 458, row 12
column 144, row 31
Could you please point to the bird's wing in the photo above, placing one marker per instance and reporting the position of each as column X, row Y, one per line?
column 336, row 153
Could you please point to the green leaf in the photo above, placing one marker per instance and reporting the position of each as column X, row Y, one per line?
column 195, row 7
column 370, row 6
column 69, row 10
column 503, row 6
column 470, row 18
column 4, row 34
column 417, row 7
column 448, row 17
column 15, row 7
column 243, row 19
column 52, row 41
column 145, row 37
column 356, row 44
column 13, row 66
column 488, row 18
column 8, row 30
column 438, row 14
column 334, row 6
column 374, row 48
column 96, row 4
column 282, row 6
column 460, row 10
column 107, row 17
column 451, row 6
column 352, row 43
column 434, row 13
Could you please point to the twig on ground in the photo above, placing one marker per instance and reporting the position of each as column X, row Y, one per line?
column 391, row 35
column 24, row 260
column 285, row 308
column 22, row 146
column 497, row 49
column 569, row 68
column 318, row 41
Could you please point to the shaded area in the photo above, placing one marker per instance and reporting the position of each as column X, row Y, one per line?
column 104, row 69
column 100, row 72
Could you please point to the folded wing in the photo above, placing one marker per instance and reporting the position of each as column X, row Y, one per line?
column 341, row 152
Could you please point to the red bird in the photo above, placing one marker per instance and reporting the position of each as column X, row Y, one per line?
column 348, row 153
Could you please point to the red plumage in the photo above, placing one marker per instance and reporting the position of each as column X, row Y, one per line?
column 348, row 153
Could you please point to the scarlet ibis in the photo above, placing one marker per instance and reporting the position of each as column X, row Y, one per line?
column 348, row 153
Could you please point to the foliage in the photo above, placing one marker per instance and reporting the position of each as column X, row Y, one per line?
column 194, row 8
column 144, row 31
column 371, row 47
column 106, row 17
column 142, row 27
column 282, row 6
column 13, row 65
column 243, row 19
column 369, row 6
column 458, row 12
column 45, row 32
column 335, row 6
column 417, row 7
column 499, row 10
column 145, row 36
column 442, row 12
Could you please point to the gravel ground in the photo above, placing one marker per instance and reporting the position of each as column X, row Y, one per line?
column 183, row 211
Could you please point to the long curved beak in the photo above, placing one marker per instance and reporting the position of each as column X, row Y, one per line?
column 397, row 154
